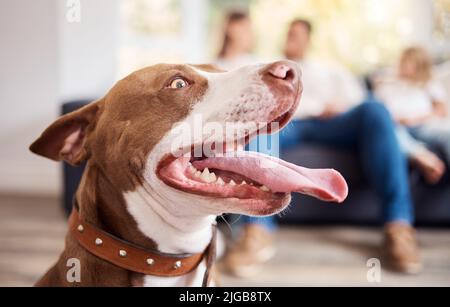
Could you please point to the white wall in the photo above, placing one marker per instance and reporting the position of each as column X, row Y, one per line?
column 88, row 49
column 195, row 32
column 45, row 60
column 422, row 14
column 28, row 90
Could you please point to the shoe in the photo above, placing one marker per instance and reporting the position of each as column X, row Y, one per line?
column 401, row 248
column 253, row 248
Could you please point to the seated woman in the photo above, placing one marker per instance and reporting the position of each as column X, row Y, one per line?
column 417, row 104
column 237, row 46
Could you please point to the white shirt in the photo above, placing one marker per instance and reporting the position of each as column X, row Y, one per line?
column 408, row 100
column 324, row 85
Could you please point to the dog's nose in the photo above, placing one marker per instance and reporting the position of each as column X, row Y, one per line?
column 282, row 70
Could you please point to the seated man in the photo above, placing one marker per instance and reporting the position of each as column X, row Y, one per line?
column 331, row 114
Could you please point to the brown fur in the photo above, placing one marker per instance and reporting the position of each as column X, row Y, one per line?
column 116, row 135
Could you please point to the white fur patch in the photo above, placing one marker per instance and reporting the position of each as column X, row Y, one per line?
column 179, row 222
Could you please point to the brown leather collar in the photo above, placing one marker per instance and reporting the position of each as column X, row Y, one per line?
column 136, row 259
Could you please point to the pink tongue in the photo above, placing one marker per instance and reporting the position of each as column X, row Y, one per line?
column 281, row 176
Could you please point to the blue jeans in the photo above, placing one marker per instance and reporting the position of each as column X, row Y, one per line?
column 368, row 129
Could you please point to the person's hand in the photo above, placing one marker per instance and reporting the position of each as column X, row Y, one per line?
column 406, row 122
column 330, row 111
column 440, row 109
column 416, row 121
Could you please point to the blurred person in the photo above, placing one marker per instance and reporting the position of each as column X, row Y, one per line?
column 416, row 102
column 332, row 114
column 238, row 41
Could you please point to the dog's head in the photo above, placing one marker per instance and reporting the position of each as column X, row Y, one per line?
column 173, row 131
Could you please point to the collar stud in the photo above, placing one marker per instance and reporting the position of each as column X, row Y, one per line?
column 122, row 253
column 98, row 241
column 177, row 265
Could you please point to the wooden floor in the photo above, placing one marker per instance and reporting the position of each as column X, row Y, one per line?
column 32, row 231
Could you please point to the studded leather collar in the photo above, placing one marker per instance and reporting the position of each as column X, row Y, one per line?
column 137, row 259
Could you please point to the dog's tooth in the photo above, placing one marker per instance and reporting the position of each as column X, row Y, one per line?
column 232, row 183
column 244, row 182
column 205, row 175
column 192, row 170
column 198, row 174
column 220, row 181
column 264, row 188
column 212, row 177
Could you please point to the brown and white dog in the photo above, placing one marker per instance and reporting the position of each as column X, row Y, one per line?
column 137, row 187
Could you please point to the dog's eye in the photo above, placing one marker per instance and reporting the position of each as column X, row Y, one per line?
column 178, row 83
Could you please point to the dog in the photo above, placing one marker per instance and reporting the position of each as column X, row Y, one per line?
column 146, row 206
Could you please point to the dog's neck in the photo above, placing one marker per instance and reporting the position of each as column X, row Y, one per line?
column 139, row 218
column 173, row 232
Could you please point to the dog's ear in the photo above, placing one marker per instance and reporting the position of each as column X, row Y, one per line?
column 65, row 139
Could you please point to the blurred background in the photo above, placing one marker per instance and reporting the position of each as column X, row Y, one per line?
column 49, row 59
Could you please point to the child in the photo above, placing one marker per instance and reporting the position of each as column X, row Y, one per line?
column 416, row 103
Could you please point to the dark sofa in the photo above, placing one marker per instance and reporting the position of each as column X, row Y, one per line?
column 432, row 203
